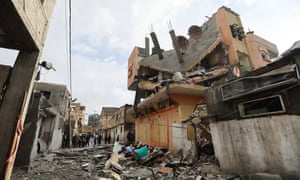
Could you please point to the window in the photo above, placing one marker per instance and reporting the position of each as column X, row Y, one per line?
column 263, row 106
column 47, row 94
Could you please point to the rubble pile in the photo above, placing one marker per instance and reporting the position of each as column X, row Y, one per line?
column 118, row 162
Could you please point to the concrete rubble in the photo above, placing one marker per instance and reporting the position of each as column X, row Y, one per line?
column 101, row 162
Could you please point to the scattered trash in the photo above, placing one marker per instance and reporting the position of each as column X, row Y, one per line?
column 121, row 162
column 140, row 153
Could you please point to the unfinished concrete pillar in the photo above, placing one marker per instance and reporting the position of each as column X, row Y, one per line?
column 15, row 105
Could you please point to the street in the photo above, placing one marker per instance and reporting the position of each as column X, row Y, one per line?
column 100, row 163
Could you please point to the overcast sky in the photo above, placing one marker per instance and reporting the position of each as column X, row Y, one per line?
column 105, row 32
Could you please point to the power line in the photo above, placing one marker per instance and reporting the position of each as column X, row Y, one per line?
column 70, row 45
column 67, row 39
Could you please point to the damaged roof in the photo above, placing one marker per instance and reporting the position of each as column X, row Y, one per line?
column 187, row 89
column 197, row 50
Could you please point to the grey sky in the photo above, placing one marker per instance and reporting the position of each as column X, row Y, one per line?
column 105, row 32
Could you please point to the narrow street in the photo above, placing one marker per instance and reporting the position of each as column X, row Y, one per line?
column 95, row 163
column 209, row 92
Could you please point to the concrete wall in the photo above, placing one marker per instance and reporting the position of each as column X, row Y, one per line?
column 133, row 61
column 180, row 140
column 57, row 134
column 226, row 17
column 59, row 95
column 266, row 144
column 36, row 16
column 28, row 142
column 34, row 126
column 257, row 47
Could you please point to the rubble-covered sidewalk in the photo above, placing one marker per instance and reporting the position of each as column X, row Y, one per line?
column 102, row 162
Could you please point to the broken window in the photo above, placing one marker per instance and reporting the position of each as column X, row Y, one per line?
column 219, row 56
column 47, row 94
column 200, row 110
column 254, row 84
column 263, row 106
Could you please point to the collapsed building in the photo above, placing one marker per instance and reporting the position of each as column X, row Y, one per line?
column 170, row 84
column 44, row 123
column 222, row 84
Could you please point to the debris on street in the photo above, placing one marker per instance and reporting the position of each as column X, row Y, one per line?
column 100, row 162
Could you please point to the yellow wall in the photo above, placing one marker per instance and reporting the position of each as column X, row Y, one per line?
column 155, row 129
column 186, row 104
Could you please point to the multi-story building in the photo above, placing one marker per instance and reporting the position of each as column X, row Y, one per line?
column 23, row 27
column 44, row 122
column 119, row 121
column 94, row 121
column 77, row 115
column 106, row 121
column 262, row 52
column 255, row 119
column 171, row 84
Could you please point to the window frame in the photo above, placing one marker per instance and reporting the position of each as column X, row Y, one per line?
column 240, row 105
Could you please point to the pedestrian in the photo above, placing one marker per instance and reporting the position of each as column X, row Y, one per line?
column 99, row 139
column 95, row 140
column 131, row 137
column 64, row 142
column 91, row 141
column 108, row 139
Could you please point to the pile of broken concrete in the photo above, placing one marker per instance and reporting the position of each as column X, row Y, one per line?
column 121, row 162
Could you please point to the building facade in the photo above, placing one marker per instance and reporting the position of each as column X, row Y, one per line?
column 23, row 27
column 255, row 119
column 119, row 121
column 44, row 124
column 77, row 117
column 106, row 117
column 262, row 52
column 170, row 85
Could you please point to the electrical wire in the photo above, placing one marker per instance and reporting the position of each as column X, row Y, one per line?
column 67, row 41
column 70, row 44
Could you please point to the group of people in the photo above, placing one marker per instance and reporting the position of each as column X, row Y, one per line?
column 90, row 140
column 84, row 140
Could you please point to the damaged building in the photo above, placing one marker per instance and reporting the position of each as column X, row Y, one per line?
column 44, row 123
column 225, row 85
column 23, row 27
column 255, row 119
column 170, row 85
column 116, row 122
